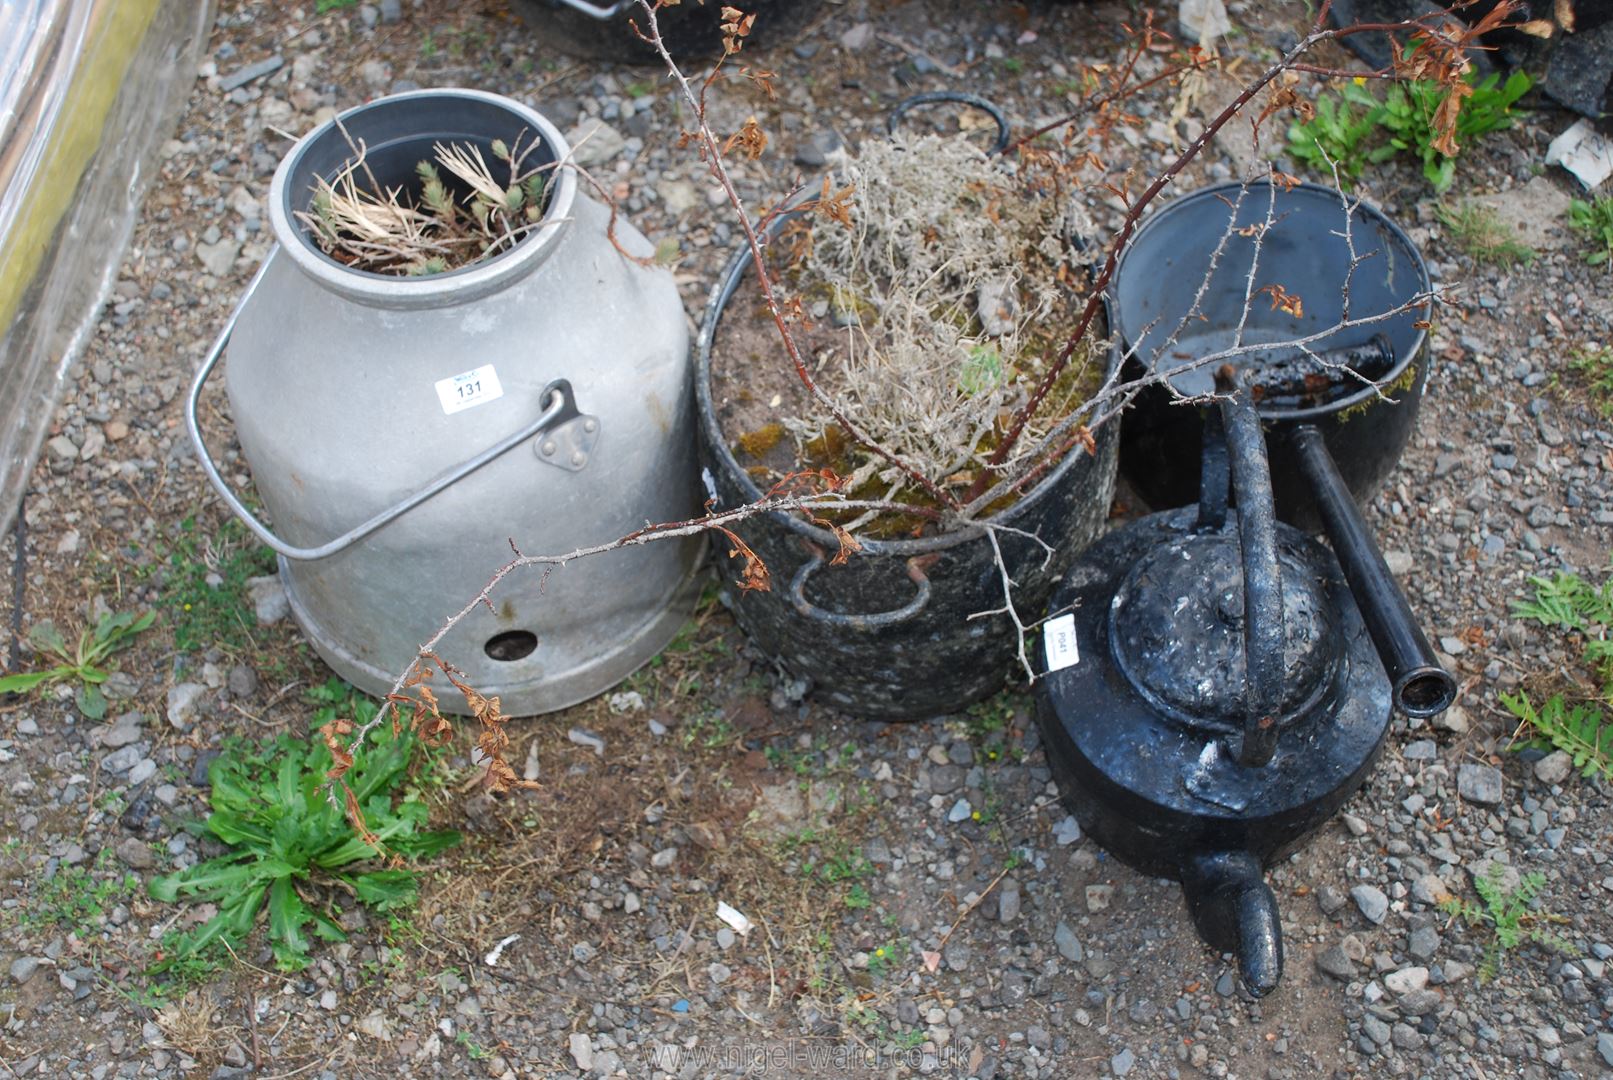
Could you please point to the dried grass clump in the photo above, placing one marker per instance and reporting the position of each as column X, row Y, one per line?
column 948, row 282
column 444, row 226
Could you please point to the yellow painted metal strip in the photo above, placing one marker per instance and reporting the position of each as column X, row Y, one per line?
column 116, row 30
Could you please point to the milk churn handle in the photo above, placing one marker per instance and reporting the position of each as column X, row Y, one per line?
column 857, row 622
column 1263, row 633
column 559, row 406
column 956, row 97
column 594, row 11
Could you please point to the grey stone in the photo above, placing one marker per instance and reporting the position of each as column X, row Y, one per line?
column 143, row 770
column 122, row 760
column 1371, row 901
column 241, row 76
column 23, row 969
column 184, row 701
column 1332, row 961
column 595, row 143
column 1067, row 831
column 945, row 779
column 391, row 11
column 243, row 681
column 124, row 731
column 1405, row 1037
column 1479, row 784
column 1604, row 1046
column 1375, row 1029
column 269, row 600
column 135, row 854
column 1429, row 889
column 218, row 258
column 1008, row 903
column 1554, row 767
column 1069, row 945
column 1421, row 750
column 960, row 811
column 1423, row 943
column 587, row 739
column 1099, row 897
column 858, row 37
column 1122, row 1063
column 582, row 1051
column 1406, row 980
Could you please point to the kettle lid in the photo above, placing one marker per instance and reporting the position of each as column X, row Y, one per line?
column 1176, row 630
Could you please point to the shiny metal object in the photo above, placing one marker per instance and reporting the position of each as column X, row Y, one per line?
column 341, row 388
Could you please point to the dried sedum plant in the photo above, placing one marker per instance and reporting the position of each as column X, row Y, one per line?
column 945, row 275
column 442, row 226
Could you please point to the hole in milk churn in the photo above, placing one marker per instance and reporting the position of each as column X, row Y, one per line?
column 511, row 645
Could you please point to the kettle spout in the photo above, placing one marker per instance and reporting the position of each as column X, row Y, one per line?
column 1235, row 911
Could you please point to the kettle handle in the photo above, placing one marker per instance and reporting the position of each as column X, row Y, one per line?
column 1263, row 634
column 558, row 408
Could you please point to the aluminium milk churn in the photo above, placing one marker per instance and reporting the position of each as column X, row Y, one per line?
column 403, row 432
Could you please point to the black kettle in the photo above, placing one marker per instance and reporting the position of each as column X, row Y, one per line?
column 1213, row 694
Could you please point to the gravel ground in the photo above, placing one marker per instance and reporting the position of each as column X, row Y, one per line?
column 922, row 903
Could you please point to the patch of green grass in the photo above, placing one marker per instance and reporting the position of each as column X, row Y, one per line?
column 291, row 849
column 1595, row 365
column 1571, row 604
column 1594, row 221
column 1511, row 915
column 205, row 588
column 1013, row 65
column 77, row 898
column 474, row 1049
column 882, row 957
column 324, row 7
column 1356, row 127
column 83, row 663
column 639, row 88
column 1479, row 233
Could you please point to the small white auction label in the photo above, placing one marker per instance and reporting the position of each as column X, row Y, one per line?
column 468, row 389
column 1058, row 636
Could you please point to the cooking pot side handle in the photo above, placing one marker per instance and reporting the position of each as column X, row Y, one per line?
column 857, row 622
column 559, row 407
column 594, row 11
column 952, row 97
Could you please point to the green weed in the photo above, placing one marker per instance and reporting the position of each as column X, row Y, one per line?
column 287, row 839
column 1510, row 915
column 1595, row 365
column 1481, row 235
column 1568, row 602
column 1360, row 128
column 84, row 663
column 1594, row 221
column 1340, row 134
